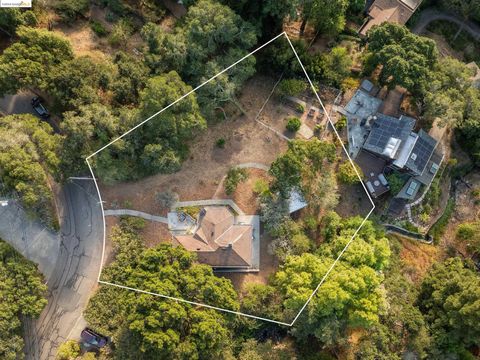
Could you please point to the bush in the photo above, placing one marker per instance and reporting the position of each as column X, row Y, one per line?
column 220, row 143
column 293, row 124
column 98, row 28
column 466, row 231
column 300, row 108
column 69, row 350
column 341, row 123
column 347, row 175
column 166, row 199
column 261, row 187
column 69, row 10
column 234, row 177
column 395, row 182
column 132, row 223
column 291, row 87
column 120, row 33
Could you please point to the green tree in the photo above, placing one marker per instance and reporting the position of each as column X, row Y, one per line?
column 132, row 77
column 11, row 18
column 406, row 59
column 80, row 81
column 85, row 130
column 22, row 293
column 449, row 298
column 468, row 9
column 30, row 61
column 69, row 350
column 328, row 17
column 234, row 177
column 347, row 175
column 147, row 327
column 69, row 10
column 293, row 124
column 291, row 87
column 28, row 156
column 337, row 64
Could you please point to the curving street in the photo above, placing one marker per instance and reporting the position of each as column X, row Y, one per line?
column 74, row 275
column 429, row 15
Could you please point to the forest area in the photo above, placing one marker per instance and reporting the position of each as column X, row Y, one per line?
column 383, row 299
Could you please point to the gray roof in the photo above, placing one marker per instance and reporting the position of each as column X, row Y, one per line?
column 421, row 152
column 384, row 129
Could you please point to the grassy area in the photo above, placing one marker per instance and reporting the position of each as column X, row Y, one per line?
column 438, row 229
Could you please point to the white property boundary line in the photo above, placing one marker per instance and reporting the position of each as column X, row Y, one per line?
column 173, row 103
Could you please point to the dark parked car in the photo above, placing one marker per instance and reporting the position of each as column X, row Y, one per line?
column 39, row 108
column 91, row 338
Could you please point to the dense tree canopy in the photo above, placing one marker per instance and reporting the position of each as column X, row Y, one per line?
column 353, row 283
column 28, row 156
column 30, row 60
column 148, row 327
column 11, row 18
column 450, row 301
column 22, row 293
column 406, row 59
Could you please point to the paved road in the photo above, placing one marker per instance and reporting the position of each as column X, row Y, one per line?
column 30, row 238
column 429, row 15
column 74, row 275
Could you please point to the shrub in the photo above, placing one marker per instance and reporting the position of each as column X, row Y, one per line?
column 234, row 177
column 166, row 199
column 69, row 10
column 466, row 231
column 69, row 350
column 300, row 108
column 132, row 223
column 120, row 33
column 291, row 87
column 347, row 175
column 220, row 143
column 98, row 28
column 293, row 124
column 395, row 182
column 349, row 83
column 341, row 123
column 261, row 187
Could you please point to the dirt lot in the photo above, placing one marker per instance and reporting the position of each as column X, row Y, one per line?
column 246, row 141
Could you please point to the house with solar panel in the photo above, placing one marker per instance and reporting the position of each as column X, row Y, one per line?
column 383, row 144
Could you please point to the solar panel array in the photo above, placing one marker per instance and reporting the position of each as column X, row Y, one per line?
column 423, row 149
column 383, row 129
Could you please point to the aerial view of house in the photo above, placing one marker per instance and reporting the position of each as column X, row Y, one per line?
column 239, row 180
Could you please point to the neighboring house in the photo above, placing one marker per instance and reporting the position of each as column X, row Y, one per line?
column 220, row 239
column 378, row 142
column 392, row 11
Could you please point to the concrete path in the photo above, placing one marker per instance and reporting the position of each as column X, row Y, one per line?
column 141, row 214
column 210, row 202
column 429, row 15
column 74, row 275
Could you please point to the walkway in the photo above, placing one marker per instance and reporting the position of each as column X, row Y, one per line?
column 408, row 234
column 141, row 214
column 429, row 15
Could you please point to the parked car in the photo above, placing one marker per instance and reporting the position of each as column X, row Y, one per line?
column 91, row 339
column 39, row 108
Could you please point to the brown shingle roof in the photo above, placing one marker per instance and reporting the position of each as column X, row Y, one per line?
column 392, row 11
column 218, row 241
